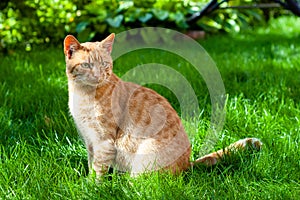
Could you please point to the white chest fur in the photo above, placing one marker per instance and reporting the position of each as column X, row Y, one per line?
column 81, row 102
column 84, row 112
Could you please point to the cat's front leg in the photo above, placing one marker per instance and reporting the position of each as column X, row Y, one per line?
column 90, row 152
column 103, row 156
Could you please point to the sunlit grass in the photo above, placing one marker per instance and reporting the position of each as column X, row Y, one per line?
column 42, row 157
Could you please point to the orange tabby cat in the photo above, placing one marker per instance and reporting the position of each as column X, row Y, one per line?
column 124, row 125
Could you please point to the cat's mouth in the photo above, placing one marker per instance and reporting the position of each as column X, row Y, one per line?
column 82, row 79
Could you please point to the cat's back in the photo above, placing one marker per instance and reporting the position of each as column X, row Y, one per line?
column 142, row 105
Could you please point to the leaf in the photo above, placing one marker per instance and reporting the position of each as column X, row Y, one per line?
column 93, row 8
column 211, row 23
column 160, row 14
column 179, row 19
column 124, row 5
column 81, row 26
column 116, row 21
column 132, row 14
column 145, row 17
column 231, row 25
column 254, row 14
column 234, row 25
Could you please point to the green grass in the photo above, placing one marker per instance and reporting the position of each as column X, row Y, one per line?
column 42, row 157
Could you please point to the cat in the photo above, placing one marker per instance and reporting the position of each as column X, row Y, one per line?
column 124, row 125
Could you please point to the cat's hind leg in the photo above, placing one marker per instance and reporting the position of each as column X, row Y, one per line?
column 215, row 157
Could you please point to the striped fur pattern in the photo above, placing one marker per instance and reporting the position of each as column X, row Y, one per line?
column 124, row 125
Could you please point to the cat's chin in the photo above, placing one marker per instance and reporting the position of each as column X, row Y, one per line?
column 86, row 84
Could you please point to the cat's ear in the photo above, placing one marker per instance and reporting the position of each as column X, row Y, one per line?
column 71, row 44
column 107, row 43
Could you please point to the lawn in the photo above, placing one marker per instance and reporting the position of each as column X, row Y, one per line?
column 42, row 157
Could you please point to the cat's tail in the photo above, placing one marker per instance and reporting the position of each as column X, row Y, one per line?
column 215, row 157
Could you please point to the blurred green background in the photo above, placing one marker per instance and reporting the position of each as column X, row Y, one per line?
column 26, row 23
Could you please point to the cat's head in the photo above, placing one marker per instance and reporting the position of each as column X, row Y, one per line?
column 88, row 63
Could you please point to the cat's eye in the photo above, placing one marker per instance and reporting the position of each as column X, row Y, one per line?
column 105, row 64
column 86, row 65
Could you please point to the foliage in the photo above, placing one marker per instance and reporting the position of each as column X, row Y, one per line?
column 32, row 22
column 42, row 21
